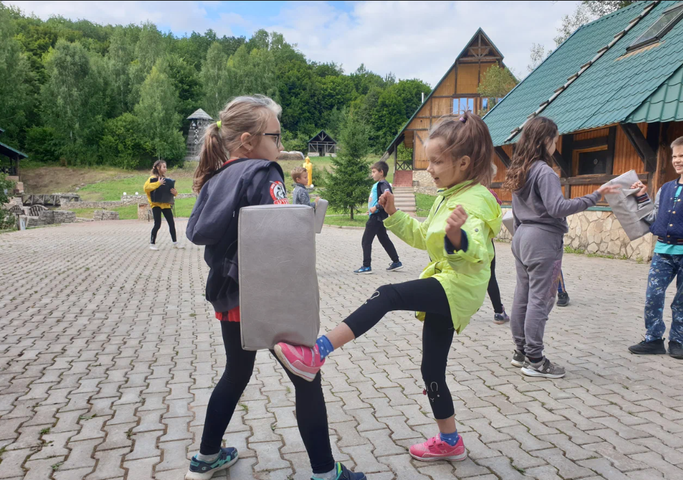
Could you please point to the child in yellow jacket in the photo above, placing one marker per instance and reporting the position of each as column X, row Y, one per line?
column 457, row 234
column 157, row 179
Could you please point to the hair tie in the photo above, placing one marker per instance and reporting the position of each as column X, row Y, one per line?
column 463, row 119
column 218, row 124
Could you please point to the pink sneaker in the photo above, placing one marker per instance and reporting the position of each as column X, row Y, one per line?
column 301, row 361
column 436, row 449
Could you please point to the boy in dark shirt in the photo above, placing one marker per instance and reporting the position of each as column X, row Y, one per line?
column 375, row 225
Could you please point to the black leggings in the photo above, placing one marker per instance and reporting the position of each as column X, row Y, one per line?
column 311, row 413
column 493, row 290
column 426, row 295
column 375, row 227
column 168, row 214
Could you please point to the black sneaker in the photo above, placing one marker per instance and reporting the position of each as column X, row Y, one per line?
column 395, row 266
column 562, row 299
column 676, row 350
column 655, row 347
column 200, row 470
column 543, row 369
column 518, row 359
column 344, row 473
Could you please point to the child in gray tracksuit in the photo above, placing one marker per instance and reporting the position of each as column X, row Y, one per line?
column 300, row 195
column 539, row 210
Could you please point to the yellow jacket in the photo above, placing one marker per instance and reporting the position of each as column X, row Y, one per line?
column 149, row 188
column 464, row 275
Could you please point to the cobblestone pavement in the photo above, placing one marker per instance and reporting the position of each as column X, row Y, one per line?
column 108, row 354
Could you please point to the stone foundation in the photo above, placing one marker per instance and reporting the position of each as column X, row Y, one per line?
column 599, row 232
column 423, row 183
column 105, row 215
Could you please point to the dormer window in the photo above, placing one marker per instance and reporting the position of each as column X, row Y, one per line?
column 661, row 27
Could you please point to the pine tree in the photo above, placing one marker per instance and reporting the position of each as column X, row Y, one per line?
column 347, row 186
column 214, row 79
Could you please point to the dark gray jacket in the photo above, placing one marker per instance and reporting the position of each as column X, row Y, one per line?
column 540, row 202
column 213, row 221
column 300, row 195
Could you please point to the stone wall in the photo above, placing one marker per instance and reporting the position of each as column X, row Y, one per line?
column 598, row 231
column 423, row 183
column 57, row 216
column 105, row 215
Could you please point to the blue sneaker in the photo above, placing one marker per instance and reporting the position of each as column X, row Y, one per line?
column 200, row 470
column 344, row 473
column 395, row 266
column 363, row 270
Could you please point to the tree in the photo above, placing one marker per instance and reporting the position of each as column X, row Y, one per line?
column 395, row 106
column 214, row 80
column 496, row 82
column 185, row 80
column 347, row 186
column 6, row 187
column 73, row 100
column 119, row 58
column 159, row 119
column 586, row 12
column 538, row 54
column 15, row 91
column 149, row 48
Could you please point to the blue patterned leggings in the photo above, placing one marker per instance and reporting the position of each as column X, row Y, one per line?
column 663, row 270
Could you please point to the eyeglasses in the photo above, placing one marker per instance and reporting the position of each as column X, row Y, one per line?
column 278, row 137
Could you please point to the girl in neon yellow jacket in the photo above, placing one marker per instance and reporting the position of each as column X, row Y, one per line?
column 457, row 235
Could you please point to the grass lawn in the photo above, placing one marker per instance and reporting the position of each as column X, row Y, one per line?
column 423, row 202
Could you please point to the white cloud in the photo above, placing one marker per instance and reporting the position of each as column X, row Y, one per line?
column 177, row 16
column 418, row 39
column 410, row 39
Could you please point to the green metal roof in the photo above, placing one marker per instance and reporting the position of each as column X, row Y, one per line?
column 665, row 105
column 394, row 142
column 608, row 90
column 8, row 151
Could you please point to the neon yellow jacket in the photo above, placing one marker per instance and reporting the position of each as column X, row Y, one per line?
column 149, row 188
column 464, row 275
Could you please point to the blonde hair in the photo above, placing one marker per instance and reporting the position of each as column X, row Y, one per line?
column 469, row 136
column 297, row 172
column 248, row 114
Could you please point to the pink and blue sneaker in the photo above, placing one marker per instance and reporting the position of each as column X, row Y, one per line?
column 200, row 470
column 436, row 449
column 304, row 362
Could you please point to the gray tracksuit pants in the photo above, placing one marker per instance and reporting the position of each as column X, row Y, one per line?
column 538, row 259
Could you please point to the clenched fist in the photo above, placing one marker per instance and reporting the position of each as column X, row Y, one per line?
column 454, row 224
column 386, row 200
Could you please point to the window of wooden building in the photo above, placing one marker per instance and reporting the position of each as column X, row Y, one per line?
column 595, row 162
column 660, row 28
column 462, row 105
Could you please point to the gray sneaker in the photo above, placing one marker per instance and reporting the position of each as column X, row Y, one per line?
column 543, row 369
column 518, row 359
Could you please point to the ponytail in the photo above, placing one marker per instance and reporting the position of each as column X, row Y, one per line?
column 211, row 157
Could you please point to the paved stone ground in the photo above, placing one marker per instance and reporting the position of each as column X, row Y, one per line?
column 108, row 355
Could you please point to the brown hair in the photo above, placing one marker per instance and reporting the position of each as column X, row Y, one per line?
column 248, row 114
column 155, row 167
column 532, row 146
column 677, row 143
column 297, row 172
column 381, row 166
column 468, row 136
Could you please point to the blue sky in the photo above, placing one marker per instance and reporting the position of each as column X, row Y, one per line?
column 409, row 39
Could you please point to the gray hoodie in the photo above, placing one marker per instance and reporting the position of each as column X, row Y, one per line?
column 540, row 202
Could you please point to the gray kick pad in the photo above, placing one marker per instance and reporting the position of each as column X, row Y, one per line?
column 279, row 298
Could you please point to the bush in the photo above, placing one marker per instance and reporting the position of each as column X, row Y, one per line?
column 122, row 146
column 43, row 145
column 298, row 143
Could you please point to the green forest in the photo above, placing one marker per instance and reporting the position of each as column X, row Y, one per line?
column 78, row 93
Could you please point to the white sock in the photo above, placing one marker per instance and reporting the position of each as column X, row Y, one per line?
column 331, row 475
column 208, row 458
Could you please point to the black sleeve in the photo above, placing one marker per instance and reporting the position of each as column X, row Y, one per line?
column 381, row 188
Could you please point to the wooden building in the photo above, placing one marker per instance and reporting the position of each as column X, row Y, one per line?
column 455, row 93
column 615, row 90
column 9, row 163
column 322, row 144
